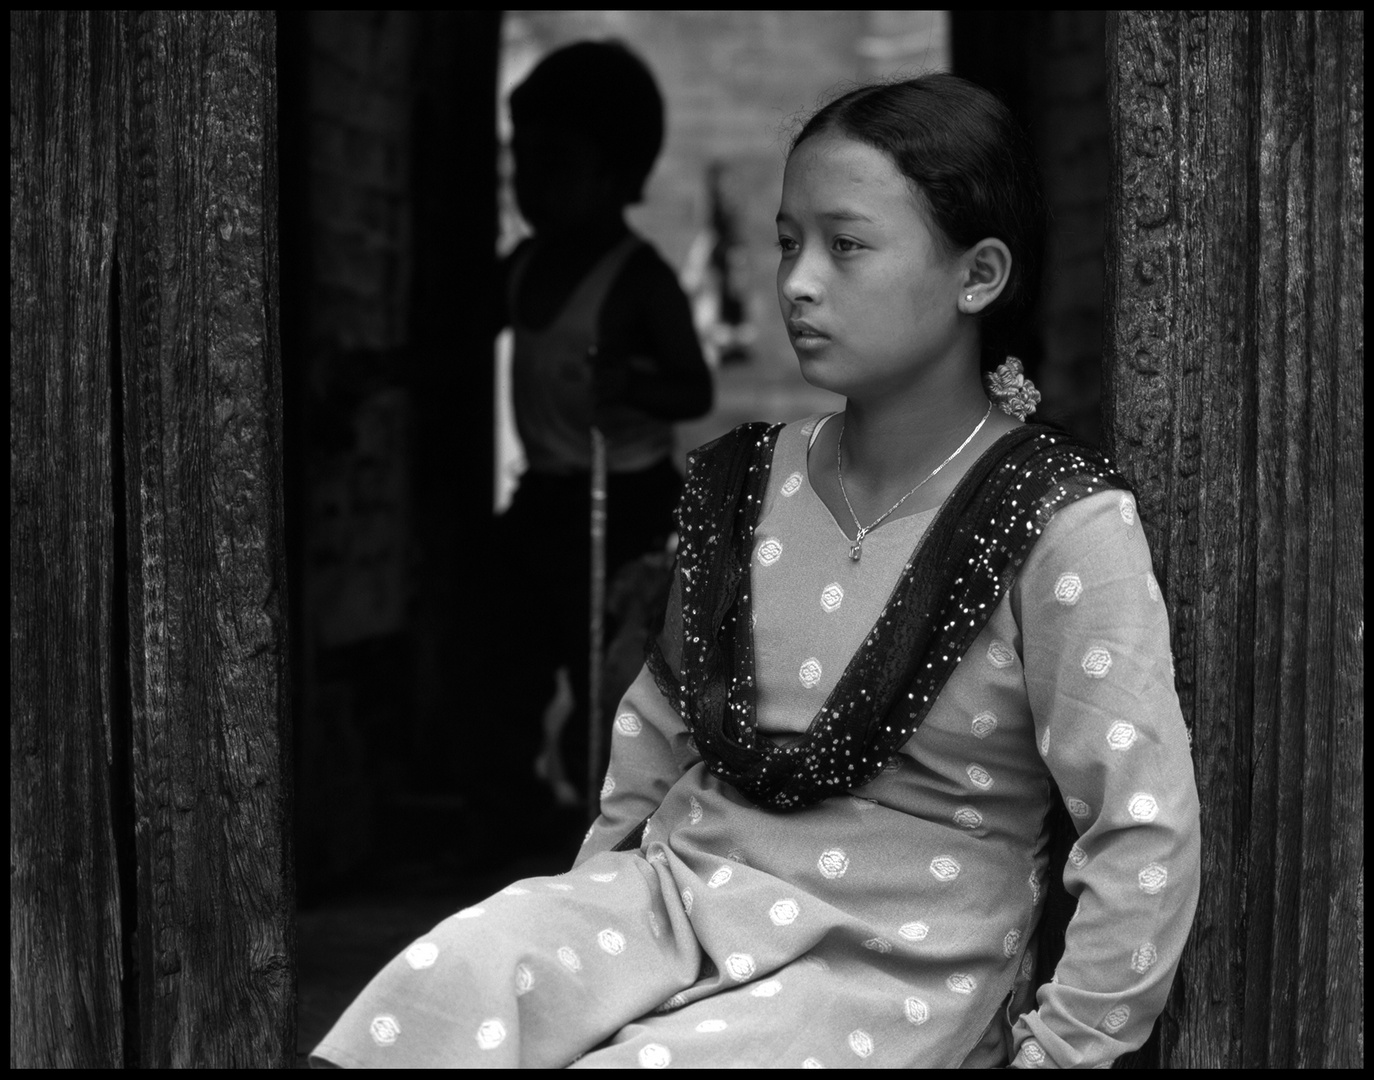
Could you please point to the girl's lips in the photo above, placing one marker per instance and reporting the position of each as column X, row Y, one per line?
column 799, row 329
column 810, row 342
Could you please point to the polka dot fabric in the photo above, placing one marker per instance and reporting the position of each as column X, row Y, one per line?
column 890, row 926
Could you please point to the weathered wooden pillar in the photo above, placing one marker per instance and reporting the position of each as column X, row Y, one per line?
column 206, row 570
column 1234, row 387
column 150, row 881
column 67, row 940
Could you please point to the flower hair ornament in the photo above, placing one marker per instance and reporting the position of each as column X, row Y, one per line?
column 1013, row 393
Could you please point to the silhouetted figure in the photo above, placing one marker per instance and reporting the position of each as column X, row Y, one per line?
column 602, row 337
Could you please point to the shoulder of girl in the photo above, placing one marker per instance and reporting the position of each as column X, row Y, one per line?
column 737, row 439
column 807, row 425
column 1107, row 518
column 1094, row 532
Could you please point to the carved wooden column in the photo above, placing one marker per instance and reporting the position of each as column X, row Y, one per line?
column 69, row 932
column 1233, row 396
column 208, row 677
column 150, row 865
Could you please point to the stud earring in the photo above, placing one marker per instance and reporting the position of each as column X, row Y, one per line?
column 969, row 298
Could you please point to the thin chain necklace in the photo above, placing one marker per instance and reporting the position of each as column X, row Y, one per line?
column 856, row 546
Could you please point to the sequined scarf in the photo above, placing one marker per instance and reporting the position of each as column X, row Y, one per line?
column 963, row 565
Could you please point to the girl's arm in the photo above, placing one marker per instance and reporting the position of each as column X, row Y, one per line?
column 651, row 358
column 1099, row 676
column 648, row 751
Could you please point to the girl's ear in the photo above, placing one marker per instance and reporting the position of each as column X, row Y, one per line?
column 986, row 271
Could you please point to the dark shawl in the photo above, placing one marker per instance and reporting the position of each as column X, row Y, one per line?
column 964, row 564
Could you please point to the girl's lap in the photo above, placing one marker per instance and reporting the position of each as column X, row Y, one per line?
column 537, row 972
column 810, row 1013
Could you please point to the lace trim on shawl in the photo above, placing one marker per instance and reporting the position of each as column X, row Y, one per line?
column 964, row 564
column 716, row 519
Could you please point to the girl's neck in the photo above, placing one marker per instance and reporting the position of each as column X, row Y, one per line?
column 887, row 445
column 895, row 442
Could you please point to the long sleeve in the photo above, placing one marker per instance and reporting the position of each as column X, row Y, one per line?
column 649, row 751
column 1099, row 678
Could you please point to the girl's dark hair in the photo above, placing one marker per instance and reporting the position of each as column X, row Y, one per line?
column 604, row 92
column 973, row 170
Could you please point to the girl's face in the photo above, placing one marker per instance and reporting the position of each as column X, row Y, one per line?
column 866, row 288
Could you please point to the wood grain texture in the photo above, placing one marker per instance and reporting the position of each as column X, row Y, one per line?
column 1342, row 111
column 207, row 612
column 1235, row 352
column 1140, row 394
column 65, row 907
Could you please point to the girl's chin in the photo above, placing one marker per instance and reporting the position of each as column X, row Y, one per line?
column 838, row 378
column 822, row 372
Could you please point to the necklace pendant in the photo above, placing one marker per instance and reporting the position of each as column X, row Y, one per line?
column 856, row 549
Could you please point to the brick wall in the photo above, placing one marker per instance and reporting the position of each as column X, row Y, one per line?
column 360, row 94
column 361, row 67
column 392, row 132
column 356, row 567
column 356, row 426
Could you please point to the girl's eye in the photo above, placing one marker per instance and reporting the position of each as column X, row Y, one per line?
column 843, row 245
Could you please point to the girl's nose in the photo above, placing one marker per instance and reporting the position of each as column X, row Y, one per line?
column 798, row 282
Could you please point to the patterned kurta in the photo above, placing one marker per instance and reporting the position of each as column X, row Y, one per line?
column 892, row 926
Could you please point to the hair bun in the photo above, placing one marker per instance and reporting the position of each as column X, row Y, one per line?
column 1008, row 386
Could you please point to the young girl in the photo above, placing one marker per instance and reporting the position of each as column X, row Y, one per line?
column 897, row 635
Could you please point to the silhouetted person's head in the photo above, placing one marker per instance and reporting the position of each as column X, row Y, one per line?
column 588, row 126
